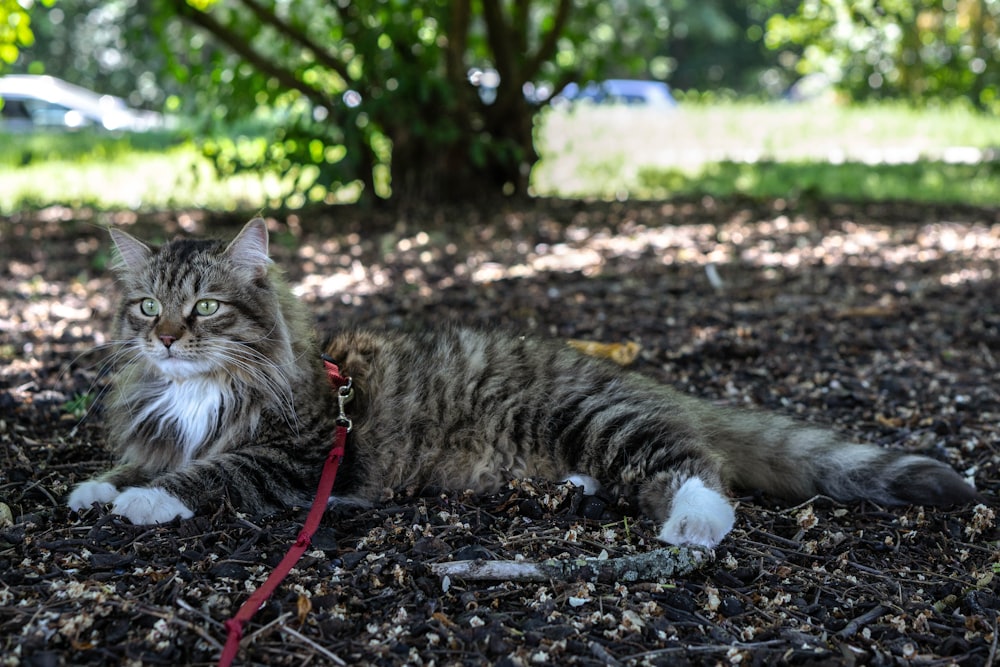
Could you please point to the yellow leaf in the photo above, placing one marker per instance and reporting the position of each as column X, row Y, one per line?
column 622, row 354
column 304, row 607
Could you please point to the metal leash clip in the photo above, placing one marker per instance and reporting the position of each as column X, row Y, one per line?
column 344, row 396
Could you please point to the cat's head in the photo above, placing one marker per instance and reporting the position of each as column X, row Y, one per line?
column 192, row 308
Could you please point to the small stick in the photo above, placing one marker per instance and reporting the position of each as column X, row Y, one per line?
column 332, row 657
column 851, row 628
column 656, row 564
column 602, row 654
column 993, row 646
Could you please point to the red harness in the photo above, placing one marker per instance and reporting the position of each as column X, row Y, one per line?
column 234, row 626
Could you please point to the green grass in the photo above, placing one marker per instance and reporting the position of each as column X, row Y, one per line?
column 127, row 172
column 775, row 150
column 24, row 150
column 760, row 150
column 930, row 182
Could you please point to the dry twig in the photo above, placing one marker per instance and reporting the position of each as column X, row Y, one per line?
column 652, row 565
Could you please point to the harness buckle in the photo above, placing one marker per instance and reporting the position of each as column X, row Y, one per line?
column 345, row 390
column 344, row 395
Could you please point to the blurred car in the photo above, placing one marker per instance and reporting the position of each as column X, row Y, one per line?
column 815, row 87
column 620, row 91
column 33, row 102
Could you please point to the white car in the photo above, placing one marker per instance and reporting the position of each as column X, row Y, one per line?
column 621, row 91
column 32, row 102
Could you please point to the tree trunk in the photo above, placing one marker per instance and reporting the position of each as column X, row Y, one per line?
column 427, row 169
column 446, row 143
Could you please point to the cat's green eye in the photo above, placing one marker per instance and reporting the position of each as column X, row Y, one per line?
column 149, row 307
column 206, row 307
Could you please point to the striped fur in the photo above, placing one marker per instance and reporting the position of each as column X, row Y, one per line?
column 234, row 405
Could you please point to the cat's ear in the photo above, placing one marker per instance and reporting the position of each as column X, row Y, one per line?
column 249, row 249
column 132, row 253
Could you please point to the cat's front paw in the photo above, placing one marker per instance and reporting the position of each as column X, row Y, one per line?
column 698, row 516
column 90, row 492
column 150, row 505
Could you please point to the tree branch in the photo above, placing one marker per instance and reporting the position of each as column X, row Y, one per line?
column 362, row 151
column 652, row 565
column 547, row 47
column 298, row 36
column 242, row 48
column 498, row 36
column 458, row 40
column 520, row 21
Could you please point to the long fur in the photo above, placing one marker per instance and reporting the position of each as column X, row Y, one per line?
column 234, row 405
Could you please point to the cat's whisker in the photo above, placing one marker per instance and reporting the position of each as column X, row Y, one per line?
column 264, row 338
column 75, row 361
column 91, row 406
column 106, row 366
column 101, row 367
column 257, row 366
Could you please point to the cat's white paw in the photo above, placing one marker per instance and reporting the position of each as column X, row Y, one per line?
column 90, row 492
column 149, row 505
column 589, row 484
column 698, row 516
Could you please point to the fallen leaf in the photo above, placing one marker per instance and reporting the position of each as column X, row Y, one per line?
column 304, row 607
column 622, row 354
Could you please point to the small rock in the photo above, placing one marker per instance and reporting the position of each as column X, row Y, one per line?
column 431, row 546
column 730, row 607
column 472, row 552
column 230, row 571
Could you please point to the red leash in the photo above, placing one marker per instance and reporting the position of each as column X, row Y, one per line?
column 234, row 626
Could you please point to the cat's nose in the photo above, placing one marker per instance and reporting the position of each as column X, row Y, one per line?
column 167, row 340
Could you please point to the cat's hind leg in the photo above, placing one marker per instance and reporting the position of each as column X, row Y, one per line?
column 693, row 508
column 698, row 515
column 590, row 485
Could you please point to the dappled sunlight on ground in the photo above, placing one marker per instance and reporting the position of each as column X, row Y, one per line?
column 349, row 266
column 334, row 268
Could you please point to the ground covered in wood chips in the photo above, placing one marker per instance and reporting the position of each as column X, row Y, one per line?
column 882, row 321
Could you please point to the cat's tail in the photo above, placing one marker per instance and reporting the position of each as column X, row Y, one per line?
column 798, row 461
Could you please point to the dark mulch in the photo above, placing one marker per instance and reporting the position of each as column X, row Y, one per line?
column 880, row 320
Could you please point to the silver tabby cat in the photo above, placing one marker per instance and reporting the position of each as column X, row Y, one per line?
column 220, row 394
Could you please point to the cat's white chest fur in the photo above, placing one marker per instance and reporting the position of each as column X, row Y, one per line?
column 191, row 407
